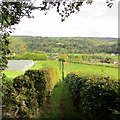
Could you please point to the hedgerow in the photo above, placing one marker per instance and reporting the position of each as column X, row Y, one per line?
column 7, row 98
column 44, row 81
column 95, row 97
column 29, row 56
column 25, row 96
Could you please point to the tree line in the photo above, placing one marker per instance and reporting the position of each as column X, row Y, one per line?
column 75, row 45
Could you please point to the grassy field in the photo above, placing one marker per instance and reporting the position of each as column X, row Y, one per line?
column 71, row 67
column 92, row 69
column 12, row 74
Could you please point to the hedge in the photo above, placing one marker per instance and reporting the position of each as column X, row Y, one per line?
column 28, row 93
column 29, row 56
column 44, row 81
column 7, row 97
column 25, row 97
column 95, row 97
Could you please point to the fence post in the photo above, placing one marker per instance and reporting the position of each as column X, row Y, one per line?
column 62, row 70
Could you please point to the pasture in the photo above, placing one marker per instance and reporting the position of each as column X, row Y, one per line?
column 112, row 72
column 74, row 67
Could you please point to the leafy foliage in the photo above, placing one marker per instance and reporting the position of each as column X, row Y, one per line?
column 18, row 47
column 11, row 13
column 28, row 93
column 25, row 98
column 96, row 97
column 62, row 57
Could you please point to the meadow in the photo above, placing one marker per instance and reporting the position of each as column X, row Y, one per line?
column 104, row 70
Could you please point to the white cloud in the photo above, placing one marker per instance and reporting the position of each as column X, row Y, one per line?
column 93, row 20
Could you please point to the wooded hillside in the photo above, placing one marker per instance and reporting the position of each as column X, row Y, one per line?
column 21, row 44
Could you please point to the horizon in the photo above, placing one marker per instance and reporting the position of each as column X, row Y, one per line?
column 61, row 36
column 96, row 20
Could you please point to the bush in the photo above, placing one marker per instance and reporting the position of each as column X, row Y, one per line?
column 52, row 77
column 20, row 98
column 40, row 81
column 28, row 93
column 96, row 97
column 44, row 81
column 107, row 60
column 8, row 106
column 25, row 97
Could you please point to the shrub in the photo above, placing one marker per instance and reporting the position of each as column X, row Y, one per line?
column 26, row 95
column 40, row 82
column 96, row 97
column 52, row 77
column 7, row 99
column 44, row 81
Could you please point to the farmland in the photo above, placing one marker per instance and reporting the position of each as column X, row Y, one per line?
column 90, row 73
column 71, row 67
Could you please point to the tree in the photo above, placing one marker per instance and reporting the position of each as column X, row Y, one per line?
column 14, row 46
column 12, row 12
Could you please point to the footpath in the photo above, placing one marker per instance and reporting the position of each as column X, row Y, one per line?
column 60, row 104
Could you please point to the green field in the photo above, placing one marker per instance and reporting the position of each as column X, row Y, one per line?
column 71, row 67
column 12, row 74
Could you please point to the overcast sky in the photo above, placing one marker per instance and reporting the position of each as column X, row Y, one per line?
column 94, row 20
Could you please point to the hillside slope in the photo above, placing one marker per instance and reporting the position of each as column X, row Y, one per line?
column 64, row 44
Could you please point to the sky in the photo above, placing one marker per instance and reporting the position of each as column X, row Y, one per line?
column 96, row 20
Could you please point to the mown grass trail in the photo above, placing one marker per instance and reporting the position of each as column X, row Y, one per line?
column 67, row 109
column 61, row 105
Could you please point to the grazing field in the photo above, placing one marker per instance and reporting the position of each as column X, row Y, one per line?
column 12, row 74
column 71, row 67
column 92, row 69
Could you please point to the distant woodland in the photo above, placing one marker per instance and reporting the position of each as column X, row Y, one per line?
column 69, row 45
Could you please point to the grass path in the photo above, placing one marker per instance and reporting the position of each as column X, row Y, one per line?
column 61, row 103
column 67, row 109
column 53, row 110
